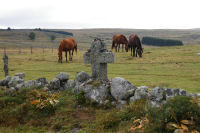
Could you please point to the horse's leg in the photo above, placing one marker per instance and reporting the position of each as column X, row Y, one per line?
column 118, row 47
column 133, row 51
column 70, row 56
column 136, row 51
column 122, row 47
column 66, row 55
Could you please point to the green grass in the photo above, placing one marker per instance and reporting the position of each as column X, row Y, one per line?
column 175, row 67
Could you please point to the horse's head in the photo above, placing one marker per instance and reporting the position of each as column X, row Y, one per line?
column 60, row 54
column 126, row 47
column 139, row 52
column 59, row 58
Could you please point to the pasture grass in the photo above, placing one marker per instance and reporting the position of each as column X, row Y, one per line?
column 175, row 67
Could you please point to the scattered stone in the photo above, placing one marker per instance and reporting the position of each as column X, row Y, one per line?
column 70, row 84
column 46, row 88
column 29, row 84
column 121, row 89
column 41, row 82
column 62, row 76
column 157, row 94
column 54, row 84
column 12, row 90
column 140, row 93
column 82, row 77
column 5, row 81
column 19, row 86
column 182, row 92
column 14, row 81
column 20, row 75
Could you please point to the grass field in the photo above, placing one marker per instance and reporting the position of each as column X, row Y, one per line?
column 175, row 67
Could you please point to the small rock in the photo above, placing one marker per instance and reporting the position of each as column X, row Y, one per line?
column 82, row 77
column 54, row 84
column 157, row 94
column 29, row 84
column 19, row 86
column 12, row 90
column 46, row 88
column 5, row 81
column 14, row 81
column 140, row 93
column 121, row 89
column 20, row 75
column 70, row 84
column 62, row 76
column 41, row 82
column 182, row 92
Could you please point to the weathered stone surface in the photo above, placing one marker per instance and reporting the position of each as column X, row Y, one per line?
column 140, row 93
column 157, row 94
column 54, row 84
column 19, row 86
column 121, row 89
column 29, row 84
column 94, row 93
column 69, row 85
column 82, row 77
column 62, row 76
column 182, row 92
column 98, row 56
column 14, row 81
column 5, row 81
column 12, row 90
column 41, row 82
column 20, row 75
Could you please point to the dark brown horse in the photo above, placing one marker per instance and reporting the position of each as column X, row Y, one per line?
column 67, row 45
column 119, row 39
column 135, row 45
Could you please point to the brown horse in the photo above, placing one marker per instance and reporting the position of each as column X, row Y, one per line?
column 67, row 45
column 135, row 45
column 119, row 39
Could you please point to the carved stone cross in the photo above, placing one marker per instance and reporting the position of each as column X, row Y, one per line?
column 98, row 56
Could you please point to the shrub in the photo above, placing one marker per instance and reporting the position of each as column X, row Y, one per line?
column 174, row 111
column 31, row 36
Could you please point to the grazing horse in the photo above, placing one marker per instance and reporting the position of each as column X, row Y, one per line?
column 135, row 45
column 119, row 39
column 66, row 45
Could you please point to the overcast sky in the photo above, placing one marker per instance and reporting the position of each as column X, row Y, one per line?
column 76, row 14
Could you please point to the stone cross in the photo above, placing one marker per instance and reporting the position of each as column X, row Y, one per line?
column 5, row 60
column 98, row 56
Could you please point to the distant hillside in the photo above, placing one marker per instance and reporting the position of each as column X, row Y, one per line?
column 84, row 37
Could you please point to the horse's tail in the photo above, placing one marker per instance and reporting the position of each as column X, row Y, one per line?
column 113, row 45
column 75, row 48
